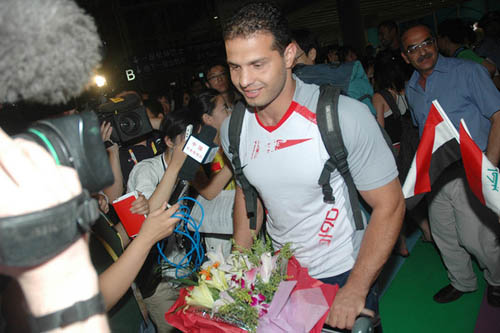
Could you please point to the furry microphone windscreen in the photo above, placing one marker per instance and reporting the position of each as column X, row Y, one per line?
column 48, row 49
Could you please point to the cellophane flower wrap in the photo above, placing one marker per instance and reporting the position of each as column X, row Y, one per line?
column 253, row 291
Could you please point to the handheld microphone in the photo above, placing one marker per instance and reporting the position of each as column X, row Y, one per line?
column 200, row 148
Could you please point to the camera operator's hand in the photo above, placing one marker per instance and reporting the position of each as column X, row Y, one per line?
column 106, row 131
column 140, row 205
column 116, row 190
column 32, row 181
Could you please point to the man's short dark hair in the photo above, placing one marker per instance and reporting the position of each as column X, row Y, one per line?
column 411, row 26
column 305, row 39
column 214, row 64
column 259, row 17
column 389, row 24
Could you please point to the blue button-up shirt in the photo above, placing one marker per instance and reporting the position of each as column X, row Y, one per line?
column 463, row 89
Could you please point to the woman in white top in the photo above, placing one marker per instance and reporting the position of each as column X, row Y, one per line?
column 216, row 185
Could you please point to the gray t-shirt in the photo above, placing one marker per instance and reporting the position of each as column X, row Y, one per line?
column 284, row 163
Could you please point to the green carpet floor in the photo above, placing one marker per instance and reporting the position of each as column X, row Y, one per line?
column 407, row 305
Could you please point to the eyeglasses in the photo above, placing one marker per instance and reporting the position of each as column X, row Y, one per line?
column 216, row 76
column 425, row 44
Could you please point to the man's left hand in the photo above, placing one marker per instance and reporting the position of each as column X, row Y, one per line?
column 348, row 304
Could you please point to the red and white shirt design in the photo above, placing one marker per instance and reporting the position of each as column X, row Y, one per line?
column 284, row 162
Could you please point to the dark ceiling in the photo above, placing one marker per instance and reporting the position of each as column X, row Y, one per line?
column 172, row 34
column 165, row 23
column 322, row 17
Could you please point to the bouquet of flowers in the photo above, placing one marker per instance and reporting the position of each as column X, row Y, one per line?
column 253, row 290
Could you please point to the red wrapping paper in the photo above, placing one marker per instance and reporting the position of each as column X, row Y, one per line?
column 192, row 322
column 188, row 321
column 304, row 281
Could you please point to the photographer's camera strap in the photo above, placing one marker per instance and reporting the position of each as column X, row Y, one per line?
column 77, row 312
column 31, row 239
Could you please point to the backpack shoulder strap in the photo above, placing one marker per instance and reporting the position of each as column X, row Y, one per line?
column 365, row 96
column 391, row 102
column 235, row 125
column 327, row 118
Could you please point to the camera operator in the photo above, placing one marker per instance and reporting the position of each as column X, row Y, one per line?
column 41, row 64
column 31, row 180
column 130, row 131
column 34, row 182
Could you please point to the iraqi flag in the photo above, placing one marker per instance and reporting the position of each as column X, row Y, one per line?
column 437, row 150
column 482, row 176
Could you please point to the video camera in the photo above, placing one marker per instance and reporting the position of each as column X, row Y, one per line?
column 128, row 118
column 73, row 141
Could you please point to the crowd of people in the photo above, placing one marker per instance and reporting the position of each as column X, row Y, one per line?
column 275, row 74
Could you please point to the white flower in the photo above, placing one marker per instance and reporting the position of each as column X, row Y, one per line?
column 239, row 263
column 217, row 257
column 201, row 296
column 217, row 279
column 267, row 268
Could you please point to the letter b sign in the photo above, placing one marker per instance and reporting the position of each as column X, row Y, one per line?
column 130, row 75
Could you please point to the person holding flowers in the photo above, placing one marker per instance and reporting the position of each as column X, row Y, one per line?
column 283, row 154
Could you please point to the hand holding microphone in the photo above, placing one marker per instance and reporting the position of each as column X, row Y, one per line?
column 200, row 149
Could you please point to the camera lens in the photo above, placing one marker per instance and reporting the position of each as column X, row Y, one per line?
column 75, row 141
column 130, row 124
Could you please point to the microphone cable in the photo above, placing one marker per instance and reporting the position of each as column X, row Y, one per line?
column 184, row 214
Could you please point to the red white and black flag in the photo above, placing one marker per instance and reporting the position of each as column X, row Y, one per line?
column 437, row 150
column 482, row 176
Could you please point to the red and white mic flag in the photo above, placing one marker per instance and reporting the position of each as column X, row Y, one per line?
column 481, row 174
column 437, row 150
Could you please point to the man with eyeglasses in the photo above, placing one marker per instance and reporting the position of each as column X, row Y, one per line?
column 218, row 79
column 461, row 226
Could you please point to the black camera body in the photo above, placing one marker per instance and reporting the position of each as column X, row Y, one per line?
column 128, row 118
column 73, row 141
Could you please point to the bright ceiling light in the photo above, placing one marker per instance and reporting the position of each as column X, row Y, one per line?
column 99, row 80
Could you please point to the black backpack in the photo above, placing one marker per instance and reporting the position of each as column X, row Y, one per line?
column 327, row 118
